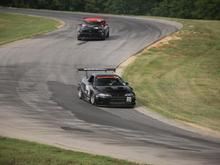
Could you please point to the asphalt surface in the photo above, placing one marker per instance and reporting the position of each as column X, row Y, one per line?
column 38, row 97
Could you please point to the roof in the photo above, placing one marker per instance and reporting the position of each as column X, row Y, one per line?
column 93, row 19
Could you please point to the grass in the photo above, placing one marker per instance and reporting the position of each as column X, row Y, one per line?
column 16, row 26
column 181, row 79
column 18, row 152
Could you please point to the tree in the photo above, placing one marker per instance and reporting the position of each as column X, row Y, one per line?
column 202, row 9
column 208, row 9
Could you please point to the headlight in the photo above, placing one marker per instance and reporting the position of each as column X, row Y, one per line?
column 103, row 95
column 129, row 94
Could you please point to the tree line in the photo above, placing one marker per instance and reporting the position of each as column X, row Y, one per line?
column 188, row 9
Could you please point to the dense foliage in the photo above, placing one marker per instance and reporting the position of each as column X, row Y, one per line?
column 199, row 9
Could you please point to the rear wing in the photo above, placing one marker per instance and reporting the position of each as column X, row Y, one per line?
column 96, row 70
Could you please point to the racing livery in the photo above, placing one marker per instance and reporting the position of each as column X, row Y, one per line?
column 105, row 89
column 93, row 28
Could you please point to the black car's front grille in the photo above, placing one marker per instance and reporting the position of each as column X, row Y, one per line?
column 117, row 100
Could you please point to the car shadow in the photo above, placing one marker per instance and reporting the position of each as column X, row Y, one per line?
column 66, row 96
column 112, row 37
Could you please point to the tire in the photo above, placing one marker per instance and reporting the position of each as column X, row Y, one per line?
column 132, row 106
column 80, row 94
column 78, row 37
column 92, row 99
column 107, row 36
column 103, row 38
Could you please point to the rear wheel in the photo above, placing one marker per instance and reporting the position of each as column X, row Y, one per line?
column 107, row 36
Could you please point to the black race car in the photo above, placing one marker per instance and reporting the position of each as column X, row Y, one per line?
column 93, row 28
column 105, row 89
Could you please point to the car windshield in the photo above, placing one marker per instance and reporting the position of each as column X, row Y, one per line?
column 111, row 80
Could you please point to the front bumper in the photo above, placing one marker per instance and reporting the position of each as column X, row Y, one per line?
column 116, row 101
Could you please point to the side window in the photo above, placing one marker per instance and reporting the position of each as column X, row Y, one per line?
column 91, row 79
column 83, row 86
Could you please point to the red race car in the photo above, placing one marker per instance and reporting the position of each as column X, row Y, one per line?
column 93, row 28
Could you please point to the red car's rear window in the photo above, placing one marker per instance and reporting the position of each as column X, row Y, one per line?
column 93, row 19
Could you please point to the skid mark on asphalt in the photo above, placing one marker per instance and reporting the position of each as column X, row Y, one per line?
column 81, row 43
column 113, row 126
column 76, row 129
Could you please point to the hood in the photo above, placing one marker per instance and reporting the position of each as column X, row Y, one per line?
column 114, row 90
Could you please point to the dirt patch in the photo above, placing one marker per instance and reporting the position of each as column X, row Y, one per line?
column 61, row 23
column 165, row 41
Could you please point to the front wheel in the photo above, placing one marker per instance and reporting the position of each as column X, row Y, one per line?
column 78, row 37
column 80, row 95
column 92, row 99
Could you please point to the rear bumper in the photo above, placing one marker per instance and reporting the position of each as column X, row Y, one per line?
column 91, row 35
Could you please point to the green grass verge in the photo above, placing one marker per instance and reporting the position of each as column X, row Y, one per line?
column 28, row 153
column 181, row 80
column 16, row 26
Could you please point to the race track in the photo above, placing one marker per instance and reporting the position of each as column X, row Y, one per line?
column 38, row 97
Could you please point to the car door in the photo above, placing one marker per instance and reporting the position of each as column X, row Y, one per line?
column 82, row 87
column 89, row 86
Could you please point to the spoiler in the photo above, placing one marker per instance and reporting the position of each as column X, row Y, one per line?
column 96, row 70
column 98, row 17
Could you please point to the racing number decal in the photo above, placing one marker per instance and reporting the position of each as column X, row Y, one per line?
column 128, row 99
